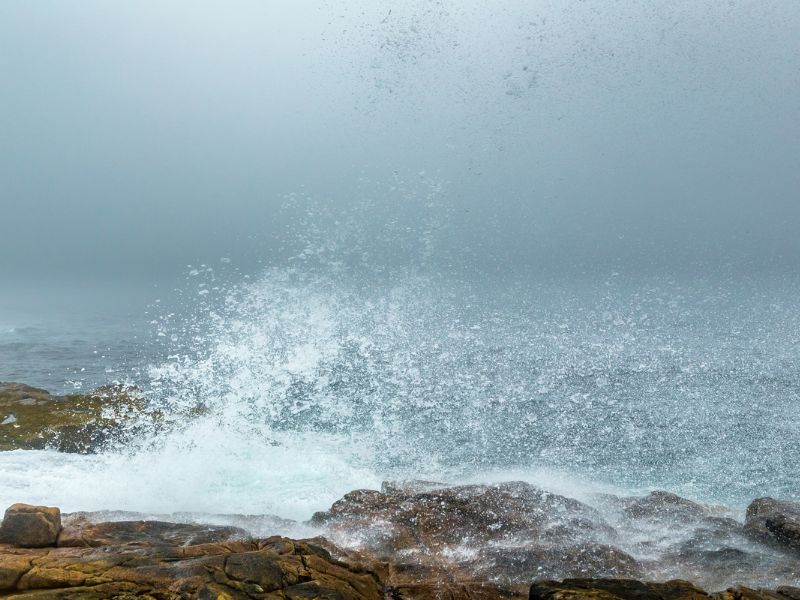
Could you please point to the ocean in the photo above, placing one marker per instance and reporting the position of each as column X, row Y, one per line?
column 290, row 387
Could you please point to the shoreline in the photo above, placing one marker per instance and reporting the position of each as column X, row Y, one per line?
column 45, row 557
column 502, row 532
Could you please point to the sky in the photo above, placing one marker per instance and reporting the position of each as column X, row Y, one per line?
column 137, row 138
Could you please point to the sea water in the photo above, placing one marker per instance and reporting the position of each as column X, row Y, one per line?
column 285, row 390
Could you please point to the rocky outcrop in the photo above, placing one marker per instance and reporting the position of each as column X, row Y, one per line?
column 33, row 419
column 510, row 532
column 29, row 526
column 162, row 560
column 775, row 521
column 500, row 532
column 143, row 559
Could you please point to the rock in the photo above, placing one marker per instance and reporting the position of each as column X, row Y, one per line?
column 774, row 521
column 745, row 593
column 664, row 506
column 148, row 559
column 12, row 568
column 456, row 591
column 33, row 419
column 615, row 589
column 509, row 533
column 165, row 560
column 79, row 532
column 525, row 563
column 475, row 514
column 29, row 526
column 629, row 589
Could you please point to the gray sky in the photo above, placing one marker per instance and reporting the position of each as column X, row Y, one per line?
column 139, row 137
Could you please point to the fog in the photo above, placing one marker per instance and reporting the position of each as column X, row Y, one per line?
column 139, row 137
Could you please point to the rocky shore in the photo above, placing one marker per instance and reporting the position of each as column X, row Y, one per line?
column 408, row 540
column 45, row 556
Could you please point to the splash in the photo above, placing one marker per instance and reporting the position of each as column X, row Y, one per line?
column 350, row 361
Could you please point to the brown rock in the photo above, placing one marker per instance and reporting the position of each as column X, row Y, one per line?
column 456, row 591
column 163, row 560
column 80, row 532
column 29, row 526
column 615, row 589
column 12, row 568
column 430, row 520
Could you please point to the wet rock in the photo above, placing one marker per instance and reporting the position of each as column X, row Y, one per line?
column 80, row 532
column 455, row 591
column 435, row 519
column 665, row 506
column 628, row 589
column 745, row 593
column 615, row 589
column 526, row 563
column 775, row 521
column 413, row 486
column 509, row 533
column 33, row 419
column 157, row 559
column 29, row 526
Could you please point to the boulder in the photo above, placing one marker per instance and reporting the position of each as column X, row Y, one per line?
column 775, row 521
column 510, row 533
column 29, row 526
column 403, row 518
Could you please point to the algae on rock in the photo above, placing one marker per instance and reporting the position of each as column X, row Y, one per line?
column 34, row 419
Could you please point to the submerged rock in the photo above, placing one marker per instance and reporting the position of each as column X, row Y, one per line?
column 33, row 419
column 29, row 526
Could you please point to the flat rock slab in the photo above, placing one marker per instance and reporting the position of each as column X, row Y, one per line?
column 270, row 568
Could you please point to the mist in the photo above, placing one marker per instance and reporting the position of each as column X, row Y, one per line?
column 137, row 138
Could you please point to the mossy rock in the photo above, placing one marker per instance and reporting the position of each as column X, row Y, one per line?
column 34, row 419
